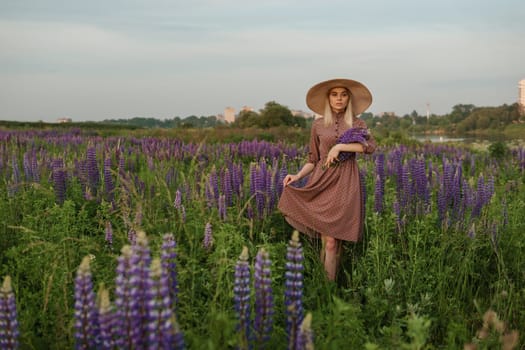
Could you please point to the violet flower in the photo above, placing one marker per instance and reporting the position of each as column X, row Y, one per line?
column 108, row 181
column 140, row 261
column 379, row 192
column 126, row 301
column 92, row 169
column 352, row 135
column 263, row 298
column 86, row 315
column 293, row 293
column 168, row 257
column 59, row 180
column 106, row 320
column 241, row 292
column 9, row 331
column 159, row 328
column 305, row 339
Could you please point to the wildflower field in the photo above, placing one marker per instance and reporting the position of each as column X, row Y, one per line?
column 133, row 241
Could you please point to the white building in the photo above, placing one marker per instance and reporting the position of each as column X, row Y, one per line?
column 229, row 114
column 521, row 94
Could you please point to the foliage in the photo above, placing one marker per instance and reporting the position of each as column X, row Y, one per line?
column 416, row 281
column 499, row 150
column 272, row 115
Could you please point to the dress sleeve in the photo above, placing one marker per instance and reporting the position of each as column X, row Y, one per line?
column 313, row 151
column 371, row 144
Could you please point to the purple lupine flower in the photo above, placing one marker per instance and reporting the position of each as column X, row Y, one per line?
column 9, row 331
column 121, row 166
column 380, row 183
column 92, row 169
column 480, row 197
column 28, row 173
column 34, row 169
column 238, row 179
column 106, row 320
column 140, row 260
column 16, row 170
column 227, row 186
column 293, row 284
column 126, row 301
column 208, row 237
column 109, row 187
column 168, row 257
column 305, row 338
column 159, row 328
column 86, row 315
column 263, row 298
column 241, row 298
column 260, row 188
column 109, row 235
column 281, row 174
column 59, row 180
column 253, row 175
column 397, row 211
column 177, row 336
column 353, row 135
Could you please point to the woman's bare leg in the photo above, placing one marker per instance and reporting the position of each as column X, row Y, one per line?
column 330, row 256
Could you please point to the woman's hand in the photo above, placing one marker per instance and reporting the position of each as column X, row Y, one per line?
column 331, row 158
column 288, row 179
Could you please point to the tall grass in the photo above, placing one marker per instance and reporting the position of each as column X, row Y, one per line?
column 423, row 276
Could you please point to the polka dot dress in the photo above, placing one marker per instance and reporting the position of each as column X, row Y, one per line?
column 331, row 202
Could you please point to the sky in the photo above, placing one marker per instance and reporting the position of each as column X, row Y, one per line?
column 112, row 59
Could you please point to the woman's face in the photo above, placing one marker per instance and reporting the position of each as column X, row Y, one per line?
column 338, row 98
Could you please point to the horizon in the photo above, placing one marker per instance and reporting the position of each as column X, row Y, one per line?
column 162, row 59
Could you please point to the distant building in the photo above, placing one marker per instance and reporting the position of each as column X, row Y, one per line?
column 299, row 113
column 64, row 120
column 229, row 114
column 521, row 94
column 246, row 109
column 387, row 114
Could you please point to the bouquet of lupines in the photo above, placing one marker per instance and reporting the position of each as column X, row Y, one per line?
column 352, row 135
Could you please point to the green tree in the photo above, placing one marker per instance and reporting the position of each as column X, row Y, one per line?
column 274, row 114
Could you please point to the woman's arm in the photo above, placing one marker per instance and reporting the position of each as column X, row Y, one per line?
column 305, row 170
column 342, row 147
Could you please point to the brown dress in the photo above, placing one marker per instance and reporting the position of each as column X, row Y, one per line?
column 331, row 203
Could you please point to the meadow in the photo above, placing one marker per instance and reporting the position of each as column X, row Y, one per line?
column 441, row 264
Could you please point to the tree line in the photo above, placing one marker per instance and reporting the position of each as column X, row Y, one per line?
column 463, row 118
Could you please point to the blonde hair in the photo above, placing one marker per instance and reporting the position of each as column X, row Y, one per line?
column 328, row 115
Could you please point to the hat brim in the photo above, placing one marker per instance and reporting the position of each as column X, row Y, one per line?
column 361, row 97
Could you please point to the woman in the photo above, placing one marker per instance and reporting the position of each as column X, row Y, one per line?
column 331, row 204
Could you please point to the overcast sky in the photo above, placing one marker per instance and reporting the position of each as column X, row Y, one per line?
column 101, row 59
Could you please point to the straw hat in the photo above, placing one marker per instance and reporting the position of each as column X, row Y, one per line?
column 361, row 97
